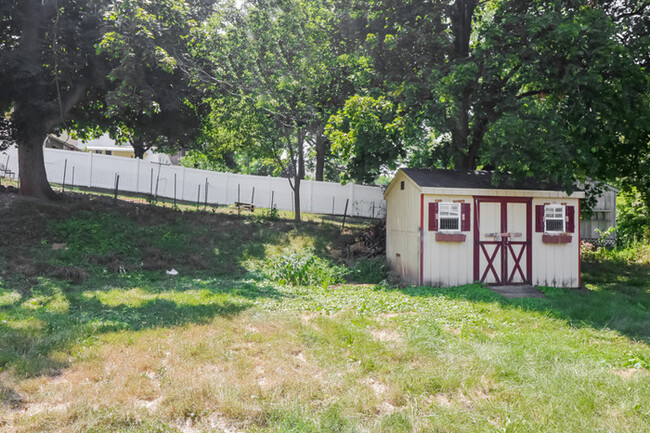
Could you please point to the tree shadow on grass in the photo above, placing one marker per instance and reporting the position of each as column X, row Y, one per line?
column 617, row 298
column 30, row 338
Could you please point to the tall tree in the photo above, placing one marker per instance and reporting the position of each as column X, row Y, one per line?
column 153, row 102
column 526, row 87
column 56, row 57
column 276, row 63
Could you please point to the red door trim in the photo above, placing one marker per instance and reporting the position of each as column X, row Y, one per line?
column 579, row 243
column 504, row 250
column 422, row 239
column 527, row 245
column 529, row 239
column 477, row 256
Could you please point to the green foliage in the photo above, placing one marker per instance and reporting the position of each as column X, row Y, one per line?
column 635, row 252
column 632, row 218
column 109, row 66
column 304, row 268
column 368, row 271
column 579, row 349
column 98, row 234
column 366, row 132
column 269, row 214
column 632, row 233
column 556, row 90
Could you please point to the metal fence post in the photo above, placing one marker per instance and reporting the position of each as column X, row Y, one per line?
column 65, row 170
column 206, row 193
column 117, row 184
column 345, row 213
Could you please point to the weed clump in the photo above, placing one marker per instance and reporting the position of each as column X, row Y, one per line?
column 304, row 268
column 368, row 271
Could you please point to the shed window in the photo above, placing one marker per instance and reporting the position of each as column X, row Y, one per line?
column 449, row 216
column 554, row 218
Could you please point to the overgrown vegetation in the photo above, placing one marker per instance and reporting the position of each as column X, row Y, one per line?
column 632, row 233
column 368, row 270
column 225, row 347
column 304, row 268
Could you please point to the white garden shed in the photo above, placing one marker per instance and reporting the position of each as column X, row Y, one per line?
column 452, row 227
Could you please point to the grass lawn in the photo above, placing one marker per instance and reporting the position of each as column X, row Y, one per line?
column 95, row 336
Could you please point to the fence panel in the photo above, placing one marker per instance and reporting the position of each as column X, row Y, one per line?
column 190, row 184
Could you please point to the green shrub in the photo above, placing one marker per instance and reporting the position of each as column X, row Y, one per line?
column 632, row 218
column 635, row 252
column 368, row 271
column 269, row 215
column 304, row 268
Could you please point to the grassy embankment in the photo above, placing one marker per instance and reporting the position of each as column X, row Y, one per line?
column 94, row 336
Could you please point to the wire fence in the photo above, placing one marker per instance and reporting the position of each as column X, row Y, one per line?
column 86, row 169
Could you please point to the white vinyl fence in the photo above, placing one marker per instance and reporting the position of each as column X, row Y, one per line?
column 191, row 185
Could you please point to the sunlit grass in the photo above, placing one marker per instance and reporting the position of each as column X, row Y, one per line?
column 224, row 348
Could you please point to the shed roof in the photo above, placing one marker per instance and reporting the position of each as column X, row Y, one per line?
column 474, row 179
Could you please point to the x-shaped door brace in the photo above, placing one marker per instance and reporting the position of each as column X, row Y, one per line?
column 517, row 262
column 490, row 262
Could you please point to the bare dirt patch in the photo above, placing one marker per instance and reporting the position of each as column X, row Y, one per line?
column 74, row 274
column 627, row 373
column 387, row 335
column 396, row 314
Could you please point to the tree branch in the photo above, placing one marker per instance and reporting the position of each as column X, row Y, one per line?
column 533, row 92
column 66, row 104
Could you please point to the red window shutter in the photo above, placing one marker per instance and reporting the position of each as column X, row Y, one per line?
column 539, row 218
column 465, row 215
column 570, row 219
column 433, row 217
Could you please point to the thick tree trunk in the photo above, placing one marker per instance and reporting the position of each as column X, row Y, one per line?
column 460, row 138
column 31, row 163
column 462, row 16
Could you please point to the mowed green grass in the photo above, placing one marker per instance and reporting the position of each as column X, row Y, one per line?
column 94, row 336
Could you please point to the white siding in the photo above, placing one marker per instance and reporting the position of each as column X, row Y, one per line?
column 447, row 264
column 403, row 229
column 556, row 265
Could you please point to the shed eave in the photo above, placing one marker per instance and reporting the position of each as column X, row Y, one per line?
column 501, row 192
column 396, row 179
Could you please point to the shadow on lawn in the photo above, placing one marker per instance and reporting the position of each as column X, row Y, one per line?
column 32, row 335
column 618, row 298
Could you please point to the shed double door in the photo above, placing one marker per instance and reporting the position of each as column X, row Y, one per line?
column 502, row 240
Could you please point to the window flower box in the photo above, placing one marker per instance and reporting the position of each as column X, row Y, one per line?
column 450, row 237
column 561, row 238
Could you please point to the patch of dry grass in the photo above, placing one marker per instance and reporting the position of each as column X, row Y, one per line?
column 227, row 349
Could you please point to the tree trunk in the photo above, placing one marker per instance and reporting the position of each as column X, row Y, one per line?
column 322, row 147
column 460, row 138
column 300, row 173
column 301, row 155
column 138, row 151
column 296, row 198
column 31, row 165
column 462, row 16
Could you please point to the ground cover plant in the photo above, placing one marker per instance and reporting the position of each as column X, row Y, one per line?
column 96, row 336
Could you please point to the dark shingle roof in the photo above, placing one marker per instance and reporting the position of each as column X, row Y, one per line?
column 437, row 178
